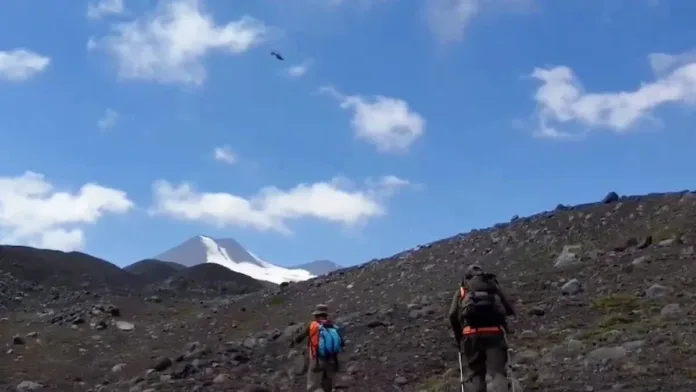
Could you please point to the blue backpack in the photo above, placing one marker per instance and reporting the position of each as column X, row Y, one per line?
column 330, row 342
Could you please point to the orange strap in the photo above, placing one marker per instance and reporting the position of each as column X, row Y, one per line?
column 481, row 330
column 462, row 292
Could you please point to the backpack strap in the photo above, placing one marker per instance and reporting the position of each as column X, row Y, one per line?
column 313, row 334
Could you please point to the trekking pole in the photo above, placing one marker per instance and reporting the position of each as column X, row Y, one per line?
column 461, row 370
column 511, row 378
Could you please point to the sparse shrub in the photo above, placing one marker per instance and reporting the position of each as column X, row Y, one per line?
column 614, row 301
column 277, row 300
column 615, row 320
column 608, row 326
column 436, row 383
column 440, row 382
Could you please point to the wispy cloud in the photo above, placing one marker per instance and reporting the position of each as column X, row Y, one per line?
column 19, row 65
column 299, row 70
column 449, row 19
column 388, row 123
column 169, row 46
column 563, row 101
column 224, row 154
column 108, row 120
column 103, row 8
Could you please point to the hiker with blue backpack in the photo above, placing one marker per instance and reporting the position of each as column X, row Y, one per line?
column 325, row 342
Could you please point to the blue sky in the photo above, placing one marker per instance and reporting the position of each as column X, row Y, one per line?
column 389, row 124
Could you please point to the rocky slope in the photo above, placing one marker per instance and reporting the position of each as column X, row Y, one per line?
column 605, row 295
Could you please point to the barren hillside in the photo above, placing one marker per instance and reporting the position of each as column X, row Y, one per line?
column 605, row 295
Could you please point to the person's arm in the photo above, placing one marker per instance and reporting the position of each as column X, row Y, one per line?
column 301, row 334
column 505, row 300
column 342, row 336
column 453, row 317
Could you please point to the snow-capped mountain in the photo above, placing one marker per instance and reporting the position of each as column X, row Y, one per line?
column 231, row 254
column 319, row 267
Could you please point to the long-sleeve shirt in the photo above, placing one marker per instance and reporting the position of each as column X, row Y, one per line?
column 301, row 333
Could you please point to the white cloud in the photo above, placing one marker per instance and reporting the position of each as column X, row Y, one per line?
column 224, row 154
column 60, row 239
column 448, row 19
column 108, row 120
column 20, row 64
column 387, row 123
column 103, row 8
column 338, row 201
column 561, row 99
column 299, row 70
column 33, row 212
column 169, row 46
column 390, row 183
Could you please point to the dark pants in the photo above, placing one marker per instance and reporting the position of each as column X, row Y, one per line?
column 486, row 354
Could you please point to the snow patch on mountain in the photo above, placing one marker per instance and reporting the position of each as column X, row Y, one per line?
column 260, row 269
column 262, row 262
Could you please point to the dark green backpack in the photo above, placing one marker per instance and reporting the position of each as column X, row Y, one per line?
column 478, row 307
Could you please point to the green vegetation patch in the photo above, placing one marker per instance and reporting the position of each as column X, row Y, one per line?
column 615, row 302
column 440, row 382
column 277, row 300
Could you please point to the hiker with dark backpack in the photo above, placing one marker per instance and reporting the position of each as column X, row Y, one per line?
column 478, row 318
column 325, row 340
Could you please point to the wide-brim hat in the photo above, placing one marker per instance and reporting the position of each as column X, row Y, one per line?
column 321, row 310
